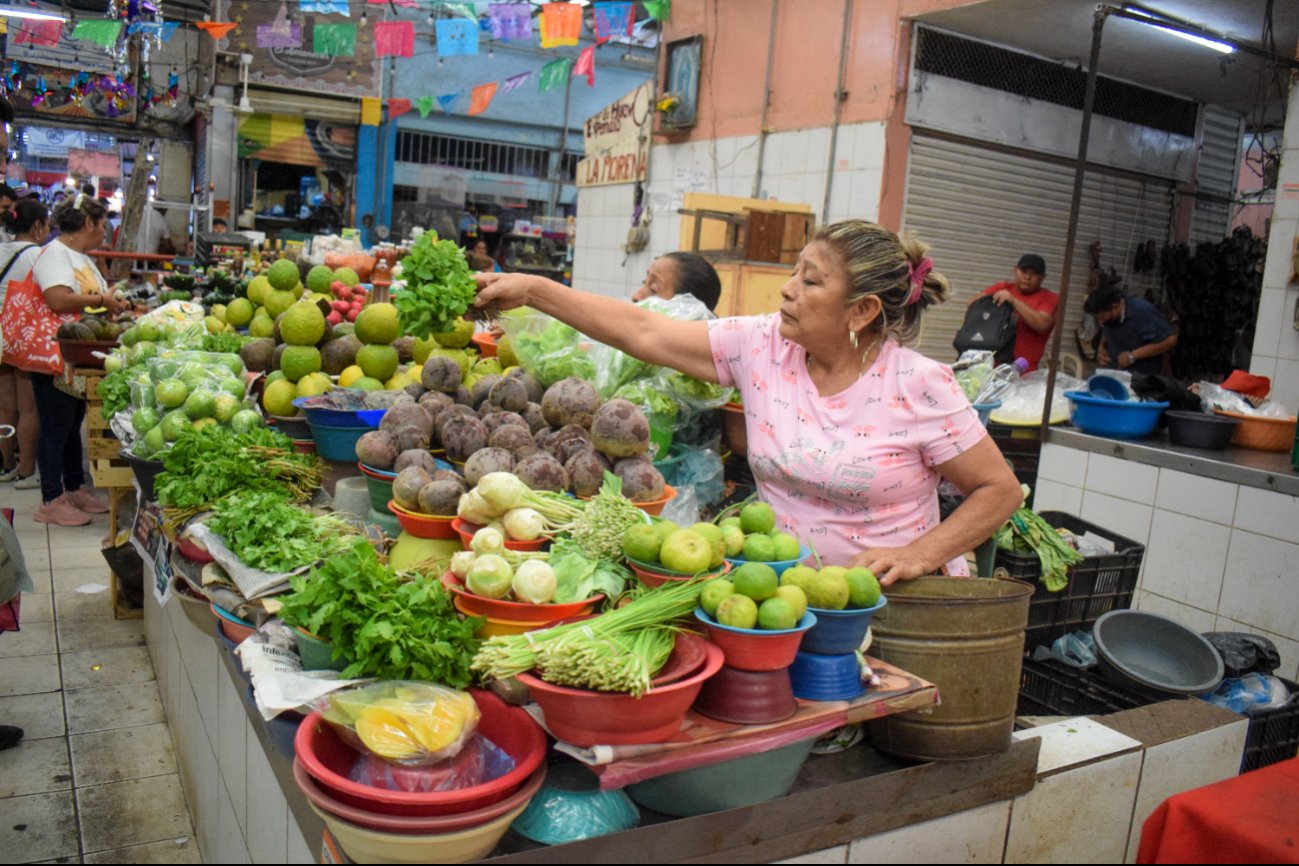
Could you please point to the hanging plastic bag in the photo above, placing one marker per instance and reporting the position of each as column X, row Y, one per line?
column 699, row 469
column 479, row 762
column 973, row 370
column 412, row 724
column 548, row 349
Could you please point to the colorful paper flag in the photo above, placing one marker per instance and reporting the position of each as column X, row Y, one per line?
column 481, row 98
column 554, row 74
column 397, row 107
column 447, row 101
column 613, row 19
column 586, row 65
column 561, row 24
column 324, row 7
column 44, row 33
column 394, row 2
column 163, row 30
column 510, row 22
column 514, row 82
column 659, row 10
column 371, row 111
column 280, row 33
column 394, row 39
column 217, row 29
column 456, row 36
column 424, row 104
column 336, row 40
column 102, row 33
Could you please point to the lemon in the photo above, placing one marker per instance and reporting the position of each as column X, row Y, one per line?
column 349, row 376
column 312, row 384
column 366, row 383
column 278, row 302
column 240, row 312
column 459, row 335
column 278, row 398
column 258, row 288
column 283, row 275
column 377, row 323
column 398, row 381
column 261, row 326
column 303, row 324
column 347, row 275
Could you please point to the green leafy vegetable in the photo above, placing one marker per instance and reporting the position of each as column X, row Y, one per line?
column 229, row 344
column 392, row 628
column 115, row 391
column 598, row 532
column 650, row 399
column 206, row 464
column 268, row 533
column 552, row 353
column 439, row 288
column 1027, row 532
column 580, row 578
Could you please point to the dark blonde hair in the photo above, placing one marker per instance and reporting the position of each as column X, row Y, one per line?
column 880, row 263
column 73, row 214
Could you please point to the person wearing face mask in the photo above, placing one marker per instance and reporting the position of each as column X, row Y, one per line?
column 71, row 283
column 1035, row 307
column 681, row 274
column 850, row 432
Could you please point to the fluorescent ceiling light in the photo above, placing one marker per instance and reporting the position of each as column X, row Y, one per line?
column 34, row 14
column 1159, row 24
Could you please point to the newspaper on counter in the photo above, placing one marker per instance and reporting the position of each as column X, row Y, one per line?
column 252, row 582
column 279, row 682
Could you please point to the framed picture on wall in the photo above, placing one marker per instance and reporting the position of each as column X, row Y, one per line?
column 681, row 86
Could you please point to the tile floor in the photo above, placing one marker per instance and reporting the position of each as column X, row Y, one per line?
column 95, row 778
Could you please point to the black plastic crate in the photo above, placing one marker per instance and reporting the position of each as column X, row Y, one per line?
column 1273, row 735
column 1052, row 688
column 1097, row 585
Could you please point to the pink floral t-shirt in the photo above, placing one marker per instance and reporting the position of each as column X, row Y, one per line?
column 854, row 470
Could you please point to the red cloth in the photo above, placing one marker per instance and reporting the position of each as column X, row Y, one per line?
column 1253, row 818
column 1248, row 384
column 1029, row 344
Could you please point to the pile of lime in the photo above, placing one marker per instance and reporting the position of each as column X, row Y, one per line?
column 696, row 550
column 753, row 536
column 189, row 389
column 753, row 596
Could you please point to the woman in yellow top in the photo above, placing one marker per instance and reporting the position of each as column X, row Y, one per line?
column 70, row 283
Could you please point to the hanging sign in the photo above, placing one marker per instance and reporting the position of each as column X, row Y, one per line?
column 617, row 141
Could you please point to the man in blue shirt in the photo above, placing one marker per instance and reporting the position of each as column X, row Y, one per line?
column 1137, row 336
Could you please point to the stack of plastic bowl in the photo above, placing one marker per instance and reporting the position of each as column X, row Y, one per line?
column 503, row 617
column 779, row 566
column 754, row 687
column 827, row 668
column 378, row 825
column 335, row 431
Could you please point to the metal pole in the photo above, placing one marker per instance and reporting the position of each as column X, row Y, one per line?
column 766, row 98
column 557, row 169
column 1080, row 169
column 839, row 97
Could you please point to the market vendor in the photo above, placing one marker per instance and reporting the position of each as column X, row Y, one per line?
column 849, row 431
column 1136, row 336
column 681, row 274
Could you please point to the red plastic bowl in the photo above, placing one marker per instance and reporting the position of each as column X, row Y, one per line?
column 328, row 760
column 755, row 649
column 422, row 525
column 654, row 506
column 234, row 629
column 689, row 654
column 414, row 826
column 588, row 718
column 466, row 531
column 515, row 611
column 486, row 344
column 192, row 551
column 652, row 577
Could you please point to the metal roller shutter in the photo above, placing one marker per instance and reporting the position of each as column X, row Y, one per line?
column 1215, row 173
column 981, row 209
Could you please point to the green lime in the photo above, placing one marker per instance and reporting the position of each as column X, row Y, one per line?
column 738, row 611
column 776, row 614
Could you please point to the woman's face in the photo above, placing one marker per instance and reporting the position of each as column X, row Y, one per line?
column 812, row 311
column 94, row 233
column 481, row 248
column 660, row 281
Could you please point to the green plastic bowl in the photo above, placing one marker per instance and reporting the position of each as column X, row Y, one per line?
column 384, row 519
column 318, row 655
column 728, row 785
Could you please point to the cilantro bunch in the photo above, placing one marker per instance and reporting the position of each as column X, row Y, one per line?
column 439, row 288
column 268, row 533
column 390, row 627
column 206, row 464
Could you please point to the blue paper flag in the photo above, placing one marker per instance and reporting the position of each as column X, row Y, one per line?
column 324, row 7
column 612, row 19
column 447, row 101
column 457, row 36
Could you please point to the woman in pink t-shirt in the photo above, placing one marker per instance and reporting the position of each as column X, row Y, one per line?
column 849, row 431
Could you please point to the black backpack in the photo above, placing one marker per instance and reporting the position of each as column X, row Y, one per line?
column 990, row 327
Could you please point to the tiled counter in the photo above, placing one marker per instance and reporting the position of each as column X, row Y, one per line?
column 1221, row 529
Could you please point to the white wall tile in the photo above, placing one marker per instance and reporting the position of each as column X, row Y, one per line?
column 866, row 191
column 1075, row 742
column 1287, row 648
column 1066, row 465
column 1285, row 384
column 1125, row 479
column 232, row 747
column 1054, row 496
column 1267, row 513
column 868, row 152
column 230, row 845
column 1267, row 331
column 818, row 144
column 1206, row 498
column 208, row 793
column 973, row 836
column 267, row 811
column 1260, row 365
column 837, row 854
column 1278, row 266
column 1288, row 348
column 1194, row 618
column 1261, row 586
column 1185, row 558
column 1183, row 765
column 1072, row 817
column 1121, row 517
column 300, row 849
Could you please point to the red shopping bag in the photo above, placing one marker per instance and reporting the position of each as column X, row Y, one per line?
column 30, row 329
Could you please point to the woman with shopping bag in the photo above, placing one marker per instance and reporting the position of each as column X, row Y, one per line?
column 29, row 225
column 63, row 282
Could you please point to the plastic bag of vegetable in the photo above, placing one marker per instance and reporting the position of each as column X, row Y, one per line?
column 410, row 723
column 547, row 348
column 615, row 369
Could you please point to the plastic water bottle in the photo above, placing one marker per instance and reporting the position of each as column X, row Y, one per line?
column 1001, row 380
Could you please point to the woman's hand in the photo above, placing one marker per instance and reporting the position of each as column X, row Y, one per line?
column 507, row 291
column 891, row 564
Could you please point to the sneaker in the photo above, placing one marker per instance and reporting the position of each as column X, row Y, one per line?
column 61, row 512
column 9, row 474
column 83, row 500
column 28, row 482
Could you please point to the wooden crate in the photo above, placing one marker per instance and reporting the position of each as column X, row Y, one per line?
column 100, row 441
column 111, row 473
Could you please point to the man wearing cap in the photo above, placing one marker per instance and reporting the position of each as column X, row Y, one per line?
column 1034, row 307
column 1137, row 336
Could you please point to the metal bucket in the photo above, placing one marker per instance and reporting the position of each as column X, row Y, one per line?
column 965, row 636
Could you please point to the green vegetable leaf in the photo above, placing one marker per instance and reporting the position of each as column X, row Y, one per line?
column 439, row 287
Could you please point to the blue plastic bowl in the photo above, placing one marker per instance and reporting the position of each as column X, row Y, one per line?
column 839, row 631
column 985, row 410
column 366, row 419
column 826, row 678
column 1117, row 419
column 1107, row 387
column 780, row 566
column 336, row 443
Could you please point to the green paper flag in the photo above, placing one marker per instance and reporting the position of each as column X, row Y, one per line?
column 659, row 10
column 424, row 104
column 554, row 74
column 336, row 40
column 102, row 33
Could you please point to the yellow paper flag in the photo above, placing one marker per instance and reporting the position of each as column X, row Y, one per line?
column 371, row 110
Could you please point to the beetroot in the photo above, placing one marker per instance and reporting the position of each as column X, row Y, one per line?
column 501, row 419
column 377, row 449
column 435, row 402
column 461, row 437
column 482, row 389
column 486, row 460
column 570, row 401
column 510, row 394
column 407, row 415
column 536, row 420
column 530, row 384
column 510, row 437
column 440, row 498
column 407, row 485
column 411, row 437
column 542, row 472
column 620, row 429
column 641, row 482
column 586, row 471
column 440, row 374
column 415, row 457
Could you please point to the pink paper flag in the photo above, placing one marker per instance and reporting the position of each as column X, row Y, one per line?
column 394, row 39
column 586, row 65
column 29, row 32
